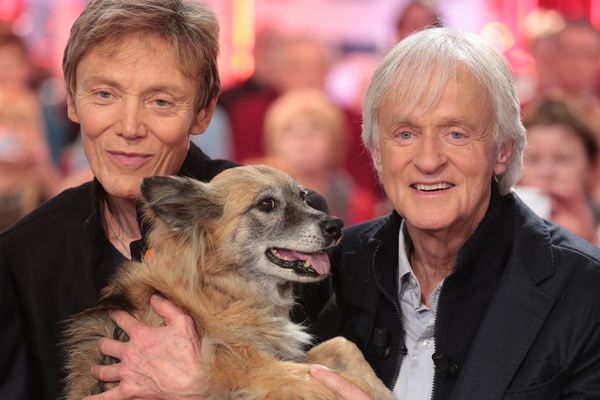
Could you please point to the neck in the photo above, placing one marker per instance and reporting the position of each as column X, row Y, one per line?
column 432, row 258
column 120, row 223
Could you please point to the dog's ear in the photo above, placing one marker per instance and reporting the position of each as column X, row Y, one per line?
column 178, row 201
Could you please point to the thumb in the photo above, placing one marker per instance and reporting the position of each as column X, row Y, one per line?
column 343, row 388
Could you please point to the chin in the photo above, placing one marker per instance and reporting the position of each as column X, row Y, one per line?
column 126, row 188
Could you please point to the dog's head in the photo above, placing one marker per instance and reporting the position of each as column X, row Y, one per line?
column 256, row 219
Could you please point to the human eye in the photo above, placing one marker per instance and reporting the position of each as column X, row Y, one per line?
column 404, row 134
column 162, row 103
column 456, row 135
column 103, row 94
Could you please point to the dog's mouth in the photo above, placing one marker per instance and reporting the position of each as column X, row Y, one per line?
column 307, row 264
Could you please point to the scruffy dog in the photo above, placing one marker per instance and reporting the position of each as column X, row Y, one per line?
column 227, row 252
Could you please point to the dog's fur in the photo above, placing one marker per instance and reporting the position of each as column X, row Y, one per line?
column 210, row 243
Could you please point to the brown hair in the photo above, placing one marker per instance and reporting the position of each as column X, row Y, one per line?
column 558, row 112
column 191, row 29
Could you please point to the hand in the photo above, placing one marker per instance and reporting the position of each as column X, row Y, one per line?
column 157, row 362
column 343, row 388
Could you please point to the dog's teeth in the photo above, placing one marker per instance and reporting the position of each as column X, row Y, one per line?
column 306, row 264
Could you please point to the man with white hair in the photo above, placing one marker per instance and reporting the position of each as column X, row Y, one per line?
column 462, row 292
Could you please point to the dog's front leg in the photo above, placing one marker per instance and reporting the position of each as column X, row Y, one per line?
column 341, row 355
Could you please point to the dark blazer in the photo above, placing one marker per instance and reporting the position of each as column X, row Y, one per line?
column 519, row 316
column 53, row 264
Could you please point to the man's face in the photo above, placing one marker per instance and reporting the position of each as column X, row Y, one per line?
column 437, row 165
column 137, row 111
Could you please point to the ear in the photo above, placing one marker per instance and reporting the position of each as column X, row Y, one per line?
column 203, row 117
column 71, row 109
column 180, row 201
column 503, row 158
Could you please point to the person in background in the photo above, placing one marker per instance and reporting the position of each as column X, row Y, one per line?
column 462, row 292
column 300, row 62
column 308, row 132
column 415, row 16
column 561, row 162
column 27, row 176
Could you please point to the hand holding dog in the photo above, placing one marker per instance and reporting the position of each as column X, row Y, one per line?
column 343, row 388
column 157, row 362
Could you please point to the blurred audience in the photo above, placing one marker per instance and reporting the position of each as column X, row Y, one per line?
column 306, row 135
column 26, row 173
column 415, row 16
column 559, row 167
column 540, row 29
column 296, row 61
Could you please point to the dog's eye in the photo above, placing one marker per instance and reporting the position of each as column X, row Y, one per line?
column 304, row 194
column 267, row 205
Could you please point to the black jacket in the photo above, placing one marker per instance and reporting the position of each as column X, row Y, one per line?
column 53, row 264
column 519, row 316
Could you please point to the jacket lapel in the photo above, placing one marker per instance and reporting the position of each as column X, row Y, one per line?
column 515, row 315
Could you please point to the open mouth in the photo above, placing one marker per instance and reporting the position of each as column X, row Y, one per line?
column 434, row 187
column 306, row 264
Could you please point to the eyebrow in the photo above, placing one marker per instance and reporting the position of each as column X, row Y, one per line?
column 445, row 122
column 171, row 89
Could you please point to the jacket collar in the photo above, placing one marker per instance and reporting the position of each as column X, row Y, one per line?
column 516, row 312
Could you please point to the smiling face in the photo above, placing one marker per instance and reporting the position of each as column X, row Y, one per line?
column 137, row 112
column 436, row 165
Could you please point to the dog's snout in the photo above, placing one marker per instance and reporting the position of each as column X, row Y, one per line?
column 332, row 227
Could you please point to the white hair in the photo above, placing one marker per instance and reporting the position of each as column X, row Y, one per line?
column 417, row 70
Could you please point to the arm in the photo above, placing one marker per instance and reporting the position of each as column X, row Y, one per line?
column 157, row 362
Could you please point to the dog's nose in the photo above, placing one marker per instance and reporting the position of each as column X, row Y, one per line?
column 332, row 227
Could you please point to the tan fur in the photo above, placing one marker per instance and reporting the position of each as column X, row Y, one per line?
column 250, row 347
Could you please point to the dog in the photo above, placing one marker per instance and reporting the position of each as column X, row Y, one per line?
column 228, row 252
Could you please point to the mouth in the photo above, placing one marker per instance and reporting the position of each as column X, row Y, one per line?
column 305, row 264
column 431, row 187
column 129, row 159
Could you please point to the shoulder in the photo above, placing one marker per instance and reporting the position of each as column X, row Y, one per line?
column 69, row 207
column 199, row 166
column 360, row 234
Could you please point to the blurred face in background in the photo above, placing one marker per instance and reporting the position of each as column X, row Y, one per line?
column 306, row 143
column 577, row 61
column 554, row 156
column 15, row 69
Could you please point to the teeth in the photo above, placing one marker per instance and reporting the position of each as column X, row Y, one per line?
column 435, row 186
column 306, row 264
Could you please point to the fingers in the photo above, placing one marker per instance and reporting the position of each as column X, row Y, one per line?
column 168, row 311
column 106, row 373
column 124, row 320
column 343, row 388
column 111, row 347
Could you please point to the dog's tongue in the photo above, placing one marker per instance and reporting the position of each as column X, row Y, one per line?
column 318, row 261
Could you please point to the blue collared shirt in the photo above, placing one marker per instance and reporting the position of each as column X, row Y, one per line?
column 416, row 373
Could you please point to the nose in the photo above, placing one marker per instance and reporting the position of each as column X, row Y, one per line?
column 332, row 227
column 430, row 156
column 131, row 124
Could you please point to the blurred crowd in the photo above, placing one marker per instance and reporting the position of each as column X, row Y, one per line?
column 287, row 115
